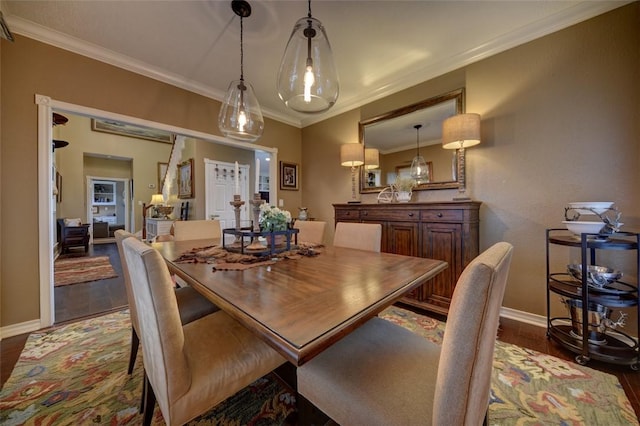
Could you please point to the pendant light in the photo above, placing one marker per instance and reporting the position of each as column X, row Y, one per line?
column 240, row 114
column 307, row 80
column 418, row 166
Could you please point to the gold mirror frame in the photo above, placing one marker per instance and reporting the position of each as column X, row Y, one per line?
column 459, row 182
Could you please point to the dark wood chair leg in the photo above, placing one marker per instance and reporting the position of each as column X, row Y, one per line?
column 485, row 422
column 150, row 403
column 144, row 392
column 135, row 343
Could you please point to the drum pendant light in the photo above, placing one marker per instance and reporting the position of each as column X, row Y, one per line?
column 418, row 166
column 307, row 80
column 240, row 115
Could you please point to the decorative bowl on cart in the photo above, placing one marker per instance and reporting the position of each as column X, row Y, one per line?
column 584, row 227
column 598, row 276
column 591, row 207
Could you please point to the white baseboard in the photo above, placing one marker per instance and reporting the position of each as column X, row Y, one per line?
column 21, row 328
column 525, row 317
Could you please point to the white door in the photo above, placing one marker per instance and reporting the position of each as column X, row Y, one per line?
column 220, row 182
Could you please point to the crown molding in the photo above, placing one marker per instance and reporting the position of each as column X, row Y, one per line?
column 81, row 47
column 568, row 17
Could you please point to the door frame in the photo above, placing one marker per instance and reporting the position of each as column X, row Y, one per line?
column 127, row 201
column 46, row 105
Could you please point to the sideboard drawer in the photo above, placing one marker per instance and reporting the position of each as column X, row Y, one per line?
column 391, row 215
column 442, row 215
column 347, row 215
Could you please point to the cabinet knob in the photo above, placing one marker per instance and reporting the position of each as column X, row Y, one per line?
column 366, row 213
column 410, row 214
column 439, row 214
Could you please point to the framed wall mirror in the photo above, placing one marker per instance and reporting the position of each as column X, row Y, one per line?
column 397, row 142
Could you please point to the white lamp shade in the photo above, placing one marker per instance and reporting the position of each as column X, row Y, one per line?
column 240, row 115
column 461, row 131
column 352, row 155
column 371, row 158
column 323, row 92
column 156, row 199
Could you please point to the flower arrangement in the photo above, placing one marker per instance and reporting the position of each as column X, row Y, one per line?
column 273, row 219
column 404, row 184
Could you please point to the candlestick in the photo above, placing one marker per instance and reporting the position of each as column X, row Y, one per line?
column 256, row 203
column 257, row 186
column 237, row 203
column 237, row 181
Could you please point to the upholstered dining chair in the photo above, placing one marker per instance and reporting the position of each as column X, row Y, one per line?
column 361, row 236
column 196, row 229
column 383, row 374
column 189, row 368
column 310, row 231
column 191, row 305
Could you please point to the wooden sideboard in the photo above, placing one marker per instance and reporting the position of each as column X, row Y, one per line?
column 440, row 230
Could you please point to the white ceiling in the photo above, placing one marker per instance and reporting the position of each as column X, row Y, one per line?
column 380, row 47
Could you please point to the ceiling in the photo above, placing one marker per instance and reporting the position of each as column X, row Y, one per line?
column 380, row 47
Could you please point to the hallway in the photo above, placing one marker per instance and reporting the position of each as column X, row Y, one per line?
column 95, row 297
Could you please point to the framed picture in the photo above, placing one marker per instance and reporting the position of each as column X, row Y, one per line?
column 58, row 187
column 94, row 210
column 288, row 176
column 185, row 179
column 162, row 172
column 124, row 129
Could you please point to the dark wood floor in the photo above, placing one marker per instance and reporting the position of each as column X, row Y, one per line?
column 91, row 299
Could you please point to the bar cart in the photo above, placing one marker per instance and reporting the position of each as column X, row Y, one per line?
column 588, row 332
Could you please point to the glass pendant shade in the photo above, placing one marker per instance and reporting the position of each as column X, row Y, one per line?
column 419, row 170
column 307, row 80
column 240, row 115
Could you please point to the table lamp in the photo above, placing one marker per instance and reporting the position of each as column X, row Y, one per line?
column 459, row 132
column 352, row 155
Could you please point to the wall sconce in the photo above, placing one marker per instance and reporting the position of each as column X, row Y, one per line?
column 352, row 155
column 459, row 132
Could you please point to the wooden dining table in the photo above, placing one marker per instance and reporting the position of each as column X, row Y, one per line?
column 301, row 306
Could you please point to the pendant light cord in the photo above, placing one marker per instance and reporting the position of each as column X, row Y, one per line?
column 241, row 51
column 417, row 126
column 309, row 6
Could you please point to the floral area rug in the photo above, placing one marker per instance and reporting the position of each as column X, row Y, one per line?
column 76, row 375
column 76, row 270
column 532, row 388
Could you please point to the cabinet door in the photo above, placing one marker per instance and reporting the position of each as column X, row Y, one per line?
column 402, row 238
column 442, row 241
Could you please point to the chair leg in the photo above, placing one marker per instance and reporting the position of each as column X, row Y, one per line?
column 150, row 402
column 485, row 422
column 144, row 391
column 135, row 343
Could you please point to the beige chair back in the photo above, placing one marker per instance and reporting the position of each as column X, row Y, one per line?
column 311, row 231
column 196, row 229
column 361, row 236
column 161, row 331
column 122, row 235
column 464, row 376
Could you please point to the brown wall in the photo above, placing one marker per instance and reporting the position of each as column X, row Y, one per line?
column 560, row 123
column 29, row 67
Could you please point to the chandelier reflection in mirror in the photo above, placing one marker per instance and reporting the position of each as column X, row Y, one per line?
column 419, row 170
column 307, row 80
column 240, row 115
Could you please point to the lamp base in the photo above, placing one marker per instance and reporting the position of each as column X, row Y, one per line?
column 354, row 202
column 461, row 198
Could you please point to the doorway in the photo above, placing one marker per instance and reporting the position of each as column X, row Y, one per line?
column 108, row 207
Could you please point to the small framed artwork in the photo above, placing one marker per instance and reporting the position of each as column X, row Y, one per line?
column 129, row 130
column 59, row 187
column 288, row 176
column 94, row 210
column 162, row 172
column 185, row 179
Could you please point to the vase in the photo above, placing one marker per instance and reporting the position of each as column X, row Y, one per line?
column 278, row 240
column 403, row 196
